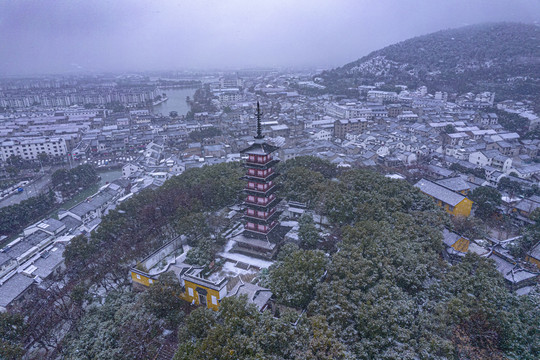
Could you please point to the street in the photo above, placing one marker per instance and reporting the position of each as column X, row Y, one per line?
column 31, row 189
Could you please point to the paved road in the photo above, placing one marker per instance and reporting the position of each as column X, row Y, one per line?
column 31, row 189
column 42, row 184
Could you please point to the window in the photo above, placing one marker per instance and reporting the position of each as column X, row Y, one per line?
column 138, row 276
column 214, row 300
column 190, row 291
column 150, row 281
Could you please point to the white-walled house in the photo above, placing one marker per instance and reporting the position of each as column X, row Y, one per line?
column 491, row 158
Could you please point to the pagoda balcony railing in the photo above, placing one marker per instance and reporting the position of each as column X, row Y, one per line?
column 256, row 216
column 255, row 228
column 259, row 202
column 264, row 221
column 261, row 189
column 255, row 174
column 259, row 162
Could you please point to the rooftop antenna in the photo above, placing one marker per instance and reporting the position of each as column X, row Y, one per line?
column 259, row 128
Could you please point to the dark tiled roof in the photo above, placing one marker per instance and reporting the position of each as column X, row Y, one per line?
column 454, row 184
column 259, row 149
column 440, row 193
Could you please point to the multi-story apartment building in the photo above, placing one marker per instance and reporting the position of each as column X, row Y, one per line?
column 348, row 111
column 342, row 127
column 30, row 148
column 382, row 95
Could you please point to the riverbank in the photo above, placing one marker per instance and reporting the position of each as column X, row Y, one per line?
column 162, row 100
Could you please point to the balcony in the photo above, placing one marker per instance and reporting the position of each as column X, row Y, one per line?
column 261, row 164
column 266, row 176
column 270, row 218
column 260, row 205
column 260, row 160
column 265, row 191
column 255, row 229
column 261, row 201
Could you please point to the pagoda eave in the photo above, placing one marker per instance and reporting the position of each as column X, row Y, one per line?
column 259, row 149
column 265, row 166
column 261, row 193
column 260, row 179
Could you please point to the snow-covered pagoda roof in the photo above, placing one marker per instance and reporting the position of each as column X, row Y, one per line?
column 259, row 149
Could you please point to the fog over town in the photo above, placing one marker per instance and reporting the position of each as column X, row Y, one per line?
column 134, row 35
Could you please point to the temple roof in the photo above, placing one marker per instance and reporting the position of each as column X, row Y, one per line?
column 259, row 149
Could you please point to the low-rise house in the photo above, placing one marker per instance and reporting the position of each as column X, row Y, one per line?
column 50, row 226
column 527, row 171
column 452, row 202
column 13, row 290
column 131, row 170
column 523, row 209
column 95, row 206
column 321, row 134
column 455, row 245
column 438, row 172
column 491, row 158
column 203, row 290
column 515, row 276
column 533, row 256
column 456, row 184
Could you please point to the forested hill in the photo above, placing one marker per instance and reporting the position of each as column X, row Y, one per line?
column 453, row 60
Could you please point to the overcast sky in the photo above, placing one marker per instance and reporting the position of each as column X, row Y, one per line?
column 52, row 36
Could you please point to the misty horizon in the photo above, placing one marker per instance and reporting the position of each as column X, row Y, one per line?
column 46, row 37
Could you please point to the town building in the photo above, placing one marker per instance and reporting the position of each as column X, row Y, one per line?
column 30, row 148
column 344, row 126
column 533, row 256
column 452, row 202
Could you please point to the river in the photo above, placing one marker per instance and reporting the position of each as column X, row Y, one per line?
column 176, row 102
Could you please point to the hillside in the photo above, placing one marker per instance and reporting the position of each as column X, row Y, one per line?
column 504, row 57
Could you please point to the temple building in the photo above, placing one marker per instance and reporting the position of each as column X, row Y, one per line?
column 262, row 232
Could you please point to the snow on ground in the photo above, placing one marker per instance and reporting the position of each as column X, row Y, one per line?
column 290, row 223
column 229, row 270
column 159, row 268
column 180, row 258
column 395, row 176
column 292, row 235
column 229, row 246
column 246, row 259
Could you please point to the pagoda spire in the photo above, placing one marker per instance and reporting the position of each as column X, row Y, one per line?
column 259, row 127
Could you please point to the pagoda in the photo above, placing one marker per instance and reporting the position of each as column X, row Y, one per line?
column 261, row 233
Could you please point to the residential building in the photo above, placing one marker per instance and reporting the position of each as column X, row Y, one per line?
column 452, row 202
column 30, row 148
column 342, row 127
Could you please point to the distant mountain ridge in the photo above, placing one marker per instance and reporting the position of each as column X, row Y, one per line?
column 463, row 59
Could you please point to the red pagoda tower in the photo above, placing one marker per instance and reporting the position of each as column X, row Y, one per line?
column 261, row 233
